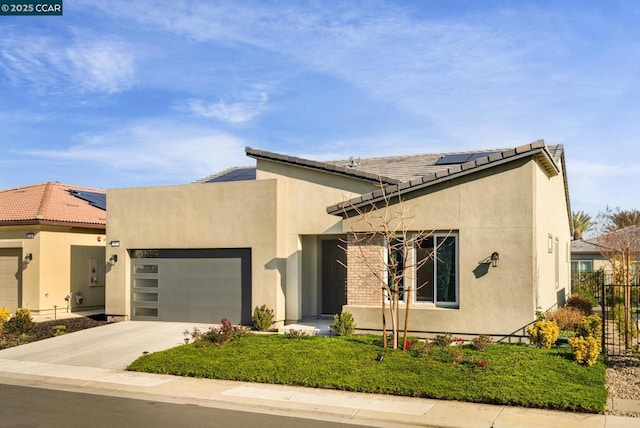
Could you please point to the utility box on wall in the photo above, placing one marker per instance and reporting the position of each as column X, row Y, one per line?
column 93, row 272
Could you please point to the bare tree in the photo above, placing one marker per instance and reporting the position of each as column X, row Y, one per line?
column 386, row 225
column 621, row 247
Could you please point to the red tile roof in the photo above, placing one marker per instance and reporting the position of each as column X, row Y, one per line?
column 49, row 203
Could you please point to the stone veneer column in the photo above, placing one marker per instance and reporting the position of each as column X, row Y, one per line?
column 363, row 288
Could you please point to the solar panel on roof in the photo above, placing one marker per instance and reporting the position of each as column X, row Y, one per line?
column 480, row 155
column 462, row 158
column 453, row 159
column 238, row 174
column 98, row 200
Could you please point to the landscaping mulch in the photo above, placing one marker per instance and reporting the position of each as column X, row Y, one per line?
column 45, row 330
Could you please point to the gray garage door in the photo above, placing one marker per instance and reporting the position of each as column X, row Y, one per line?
column 194, row 285
column 9, row 278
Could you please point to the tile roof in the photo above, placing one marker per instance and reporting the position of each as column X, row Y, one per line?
column 393, row 169
column 551, row 159
column 49, row 203
column 585, row 246
column 400, row 174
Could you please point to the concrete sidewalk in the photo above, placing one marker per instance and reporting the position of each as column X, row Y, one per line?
column 71, row 363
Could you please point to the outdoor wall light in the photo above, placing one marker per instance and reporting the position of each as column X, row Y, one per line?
column 495, row 259
column 114, row 243
column 113, row 259
column 28, row 257
column 31, row 235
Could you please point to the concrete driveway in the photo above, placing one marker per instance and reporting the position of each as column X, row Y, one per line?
column 111, row 346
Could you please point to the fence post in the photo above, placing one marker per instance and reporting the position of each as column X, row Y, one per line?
column 603, row 307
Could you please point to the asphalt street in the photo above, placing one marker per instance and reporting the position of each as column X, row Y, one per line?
column 22, row 407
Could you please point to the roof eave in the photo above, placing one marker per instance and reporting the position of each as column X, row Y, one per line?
column 101, row 226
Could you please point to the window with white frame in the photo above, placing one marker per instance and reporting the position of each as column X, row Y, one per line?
column 431, row 269
column 580, row 266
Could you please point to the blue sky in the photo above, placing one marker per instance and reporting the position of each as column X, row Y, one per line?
column 121, row 93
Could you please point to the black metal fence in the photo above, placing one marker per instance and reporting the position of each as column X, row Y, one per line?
column 620, row 314
column 590, row 281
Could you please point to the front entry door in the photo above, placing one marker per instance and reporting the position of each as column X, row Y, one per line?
column 9, row 278
column 334, row 277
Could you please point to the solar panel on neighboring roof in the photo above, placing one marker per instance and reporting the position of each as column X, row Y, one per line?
column 453, row 159
column 462, row 158
column 475, row 156
column 98, row 200
column 237, row 174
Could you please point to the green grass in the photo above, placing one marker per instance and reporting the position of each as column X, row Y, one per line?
column 516, row 374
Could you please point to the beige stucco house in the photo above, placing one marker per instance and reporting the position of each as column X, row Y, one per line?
column 52, row 248
column 276, row 234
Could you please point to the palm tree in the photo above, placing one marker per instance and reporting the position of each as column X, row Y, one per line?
column 582, row 223
column 624, row 218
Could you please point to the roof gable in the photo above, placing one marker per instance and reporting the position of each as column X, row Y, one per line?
column 52, row 203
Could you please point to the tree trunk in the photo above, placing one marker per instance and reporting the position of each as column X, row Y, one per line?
column 394, row 319
column 406, row 320
column 384, row 321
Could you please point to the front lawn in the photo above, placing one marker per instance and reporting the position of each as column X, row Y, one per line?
column 513, row 374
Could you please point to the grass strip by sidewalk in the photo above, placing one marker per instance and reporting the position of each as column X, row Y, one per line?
column 514, row 374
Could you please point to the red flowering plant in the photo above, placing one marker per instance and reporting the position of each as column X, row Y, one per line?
column 458, row 341
column 482, row 364
column 226, row 333
column 409, row 344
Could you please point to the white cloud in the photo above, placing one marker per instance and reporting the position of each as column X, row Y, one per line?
column 237, row 112
column 100, row 65
column 151, row 150
column 84, row 63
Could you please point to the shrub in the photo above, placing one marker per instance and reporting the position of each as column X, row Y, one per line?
column 20, row 323
column 443, row 340
column 343, row 324
column 566, row 317
column 451, row 355
column 590, row 326
column 223, row 335
column 296, row 334
column 59, row 330
column 4, row 314
column 585, row 349
column 543, row 333
column 580, row 302
column 420, row 348
column 263, row 318
column 481, row 342
column 587, row 294
column 619, row 317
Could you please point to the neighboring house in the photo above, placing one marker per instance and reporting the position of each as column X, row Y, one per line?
column 590, row 255
column 52, row 250
column 586, row 257
column 275, row 235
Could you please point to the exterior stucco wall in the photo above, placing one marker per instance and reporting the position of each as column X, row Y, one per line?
column 492, row 210
column 240, row 214
column 551, row 222
column 47, row 279
column 303, row 201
